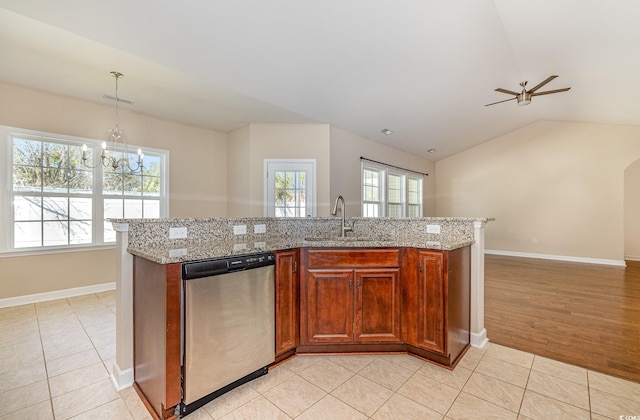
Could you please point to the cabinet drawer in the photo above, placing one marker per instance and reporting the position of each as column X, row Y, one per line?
column 360, row 257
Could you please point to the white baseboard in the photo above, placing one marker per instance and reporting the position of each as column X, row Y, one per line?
column 480, row 339
column 619, row 263
column 631, row 258
column 121, row 379
column 56, row 294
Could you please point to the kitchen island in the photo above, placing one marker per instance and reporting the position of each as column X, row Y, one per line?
column 400, row 290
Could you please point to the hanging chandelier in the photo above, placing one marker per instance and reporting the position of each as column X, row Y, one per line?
column 118, row 156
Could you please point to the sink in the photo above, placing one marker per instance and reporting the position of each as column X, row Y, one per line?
column 346, row 239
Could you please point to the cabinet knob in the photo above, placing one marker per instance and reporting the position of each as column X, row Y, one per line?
column 420, row 266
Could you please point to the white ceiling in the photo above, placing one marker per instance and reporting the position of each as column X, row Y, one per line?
column 422, row 68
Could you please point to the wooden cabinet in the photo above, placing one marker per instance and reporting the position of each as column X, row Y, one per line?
column 328, row 313
column 437, row 313
column 327, row 300
column 156, row 330
column 350, row 296
column 287, row 309
column 431, row 303
column 377, row 305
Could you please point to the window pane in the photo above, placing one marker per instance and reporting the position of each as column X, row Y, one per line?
column 80, row 181
column 371, row 177
column 133, row 209
column 112, row 183
column 55, row 233
column 113, row 209
column 27, row 208
column 395, row 210
column 27, row 234
column 151, row 186
column 55, row 155
column 27, row 152
column 151, row 208
column 395, row 182
column 54, row 180
column 27, row 178
column 80, row 208
column 370, row 210
column 395, row 196
column 55, row 208
column 290, row 180
column 132, row 184
column 80, row 232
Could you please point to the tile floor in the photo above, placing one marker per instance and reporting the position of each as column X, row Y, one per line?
column 55, row 359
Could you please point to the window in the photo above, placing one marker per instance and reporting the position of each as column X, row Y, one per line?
column 53, row 200
column 289, row 188
column 390, row 192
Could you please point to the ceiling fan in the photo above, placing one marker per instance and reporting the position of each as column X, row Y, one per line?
column 524, row 97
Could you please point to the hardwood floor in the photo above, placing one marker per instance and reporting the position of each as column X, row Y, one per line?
column 584, row 314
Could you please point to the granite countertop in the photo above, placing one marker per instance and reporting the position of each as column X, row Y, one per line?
column 184, row 250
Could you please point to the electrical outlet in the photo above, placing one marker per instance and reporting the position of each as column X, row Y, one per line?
column 433, row 229
column 259, row 228
column 240, row 230
column 178, row 233
column 174, row 253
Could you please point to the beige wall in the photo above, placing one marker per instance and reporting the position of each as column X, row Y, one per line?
column 238, row 183
column 197, row 179
column 554, row 188
column 249, row 147
column 346, row 149
column 632, row 211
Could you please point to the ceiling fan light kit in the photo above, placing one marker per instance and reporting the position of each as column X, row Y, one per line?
column 524, row 98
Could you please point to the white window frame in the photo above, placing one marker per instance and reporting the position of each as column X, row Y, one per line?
column 7, row 134
column 271, row 166
column 385, row 171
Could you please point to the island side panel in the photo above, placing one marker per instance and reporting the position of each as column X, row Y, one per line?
column 156, row 314
column 458, row 282
column 287, row 298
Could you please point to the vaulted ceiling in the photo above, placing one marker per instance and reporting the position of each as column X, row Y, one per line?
column 421, row 68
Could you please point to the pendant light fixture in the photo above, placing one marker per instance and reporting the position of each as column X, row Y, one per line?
column 118, row 156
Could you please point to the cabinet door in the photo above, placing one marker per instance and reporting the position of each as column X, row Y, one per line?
column 431, row 323
column 377, row 305
column 287, row 332
column 329, row 306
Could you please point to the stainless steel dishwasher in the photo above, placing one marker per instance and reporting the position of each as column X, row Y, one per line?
column 228, row 325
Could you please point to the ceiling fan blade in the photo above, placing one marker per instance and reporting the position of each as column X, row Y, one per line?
column 550, row 91
column 539, row 85
column 508, row 92
column 499, row 102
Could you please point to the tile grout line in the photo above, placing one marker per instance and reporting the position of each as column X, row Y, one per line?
column 44, row 360
column 526, row 385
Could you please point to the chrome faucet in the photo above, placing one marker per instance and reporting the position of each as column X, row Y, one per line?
column 344, row 228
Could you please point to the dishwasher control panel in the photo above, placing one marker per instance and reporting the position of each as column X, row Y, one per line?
column 217, row 266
